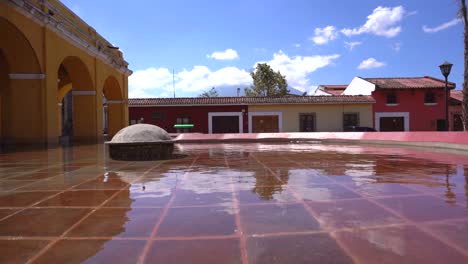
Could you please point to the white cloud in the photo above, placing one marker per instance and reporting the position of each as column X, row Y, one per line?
column 445, row 25
column 384, row 21
column 324, row 35
column 154, row 82
column 370, row 63
column 297, row 68
column 157, row 82
column 297, row 45
column 228, row 54
column 350, row 45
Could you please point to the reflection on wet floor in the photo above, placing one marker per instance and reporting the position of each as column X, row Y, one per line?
column 242, row 203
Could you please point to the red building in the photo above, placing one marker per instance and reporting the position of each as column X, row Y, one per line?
column 404, row 104
column 455, row 109
column 165, row 112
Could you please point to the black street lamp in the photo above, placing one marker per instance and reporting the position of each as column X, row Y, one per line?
column 445, row 69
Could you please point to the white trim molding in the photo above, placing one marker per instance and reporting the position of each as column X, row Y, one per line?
column 279, row 114
column 239, row 114
column 405, row 116
column 83, row 93
column 26, row 76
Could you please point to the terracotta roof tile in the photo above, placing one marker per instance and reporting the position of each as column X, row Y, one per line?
column 457, row 95
column 341, row 99
column 335, row 89
column 409, row 83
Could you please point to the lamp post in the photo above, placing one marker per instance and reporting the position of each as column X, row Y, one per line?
column 445, row 69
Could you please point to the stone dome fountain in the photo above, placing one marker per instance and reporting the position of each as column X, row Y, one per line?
column 141, row 142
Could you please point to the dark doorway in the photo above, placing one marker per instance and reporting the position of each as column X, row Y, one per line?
column 392, row 124
column 457, row 122
column 441, row 125
column 225, row 124
column 307, row 122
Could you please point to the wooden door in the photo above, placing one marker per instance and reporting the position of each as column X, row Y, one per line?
column 265, row 124
column 225, row 124
column 392, row 124
column 307, row 122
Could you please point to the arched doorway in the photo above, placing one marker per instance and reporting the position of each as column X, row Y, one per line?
column 21, row 89
column 112, row 104
column 76, row 104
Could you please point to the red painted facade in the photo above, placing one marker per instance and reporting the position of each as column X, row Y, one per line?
column 422, row 116
column 198, row 116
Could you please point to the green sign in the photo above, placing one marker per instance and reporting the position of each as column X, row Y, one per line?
column 183, row 126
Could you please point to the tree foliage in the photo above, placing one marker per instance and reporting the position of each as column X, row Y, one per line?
column 267, row 82
column 210, row 93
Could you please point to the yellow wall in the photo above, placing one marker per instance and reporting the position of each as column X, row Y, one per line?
column 31, row 47
column 329, row 117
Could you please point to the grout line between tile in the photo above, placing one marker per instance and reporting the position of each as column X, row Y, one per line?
column 417, row 225
column 240, row 231
column 314, row 216
column 52, row 243
column 155, row 229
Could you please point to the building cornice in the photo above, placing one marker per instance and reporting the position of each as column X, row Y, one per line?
column 54, row 16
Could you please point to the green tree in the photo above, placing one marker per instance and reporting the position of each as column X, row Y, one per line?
column 267, row 82
column 464, row 17
column 210, row 93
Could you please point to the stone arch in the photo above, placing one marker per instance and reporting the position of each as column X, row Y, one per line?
column 21, row 88
column 76, row 100
column 114, row 119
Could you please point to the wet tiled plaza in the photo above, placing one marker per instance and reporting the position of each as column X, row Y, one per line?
column 235, row 203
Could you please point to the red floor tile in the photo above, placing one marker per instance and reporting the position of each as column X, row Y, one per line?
column 22, row 199
column 327, row 192
column 41, row 222
column 377, row 189
column 58, row 183
column 6, row 212
column 266, row 194
column 20, row 251
column 195, row 251
column 316, row 248
column 8, row 185
column 261, row 219
column 93, row 251
column 308, row 177
column 141, row 198
column 455, row 231
column 78, row 198
column 203, row 221
column 424, row 208
column 352, row 214
column 112, row 183
column 190, row 198
column 34, row 176
column 398, row 245
column 118, row 222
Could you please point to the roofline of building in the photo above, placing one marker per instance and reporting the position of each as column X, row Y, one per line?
column 150, row 104
column 451, row 85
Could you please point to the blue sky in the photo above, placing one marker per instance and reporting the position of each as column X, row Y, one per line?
column 217, row 43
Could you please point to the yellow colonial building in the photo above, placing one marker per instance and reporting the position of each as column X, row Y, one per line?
column 58, row 76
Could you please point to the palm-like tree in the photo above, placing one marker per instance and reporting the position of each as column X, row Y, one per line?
column 463, row 15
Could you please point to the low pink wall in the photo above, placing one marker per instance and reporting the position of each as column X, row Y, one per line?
column 409, row 137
